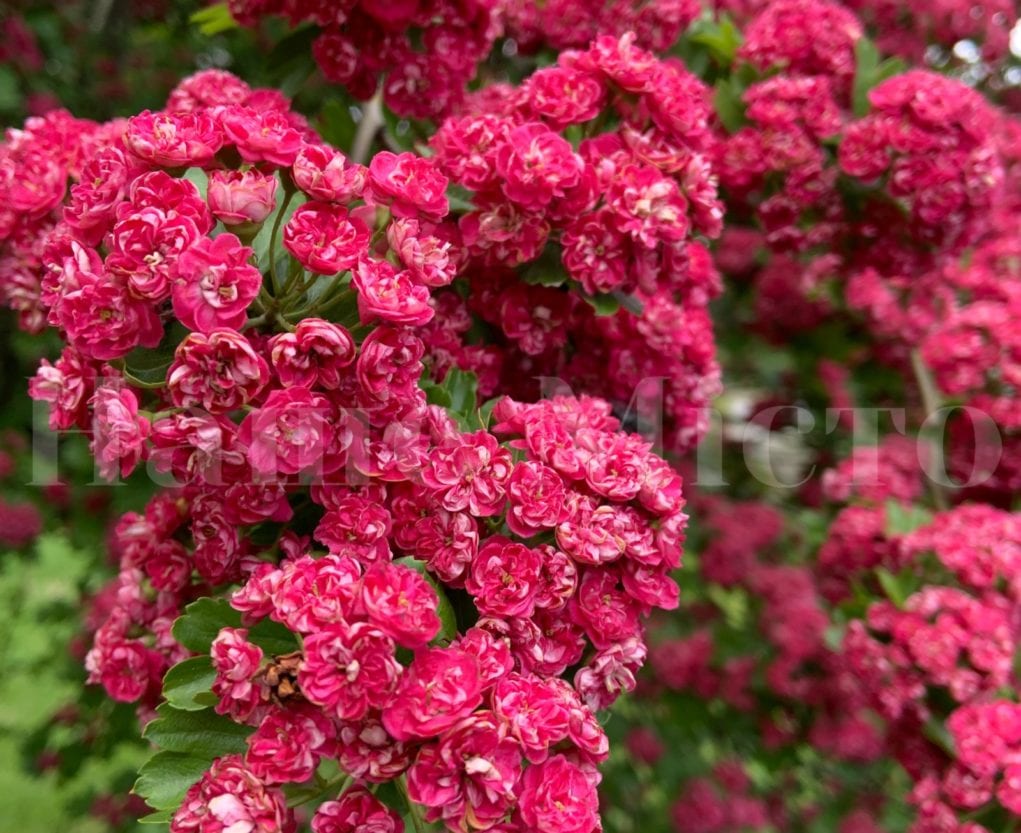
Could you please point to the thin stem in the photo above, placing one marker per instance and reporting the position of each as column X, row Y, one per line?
column 283, row 322
column 289, row 193
column 325, row 304
column 338, row 785
column 413, row 809
column 931, row 402
column 368, row 127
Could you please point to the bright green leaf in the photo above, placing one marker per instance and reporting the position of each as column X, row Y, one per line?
column 188, row 684
column 602, row 304
column 729, row 105
column 203, row 734
column 203, row 619
column 159, row 817
column 165, row 778
column 462, row 387
column 213, row 20
column 199, row 178
column 891, row 586
column 866, row 74
column 722, row 39
column 486, row 412
column 902, row 519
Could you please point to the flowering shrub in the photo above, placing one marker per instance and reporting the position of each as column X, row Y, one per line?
column 430, row 572
column 405, row 547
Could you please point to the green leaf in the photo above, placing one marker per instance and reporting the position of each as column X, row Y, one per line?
column 203, row 734
column 261, row 244
column 486, row 412
column 166, row 777
column 10, row 95
column 147, row 366
column 188, row 684
column 462, row 387
column 448, row 621
column 866, row 74
column 539, row 274
column 602, row 304
column 337, row 125
column 892, row 586
column 199, row 178
column 460, row 199
column 722, row 39
column 902, row 519
column 203, row 619
column 213, row 20
column 159, row 817
column 436, row 395
column 889, row 68
column 729, row 105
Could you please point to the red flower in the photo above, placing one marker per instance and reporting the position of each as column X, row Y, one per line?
column 504, row 578
column 228, row 798
column 215, row 284
column 347, row 668
column 357, row 811
column 401, row 602
column 325, row 238
column 241, row 196
column 440, row 688
column 411, row 186
column 559, row 797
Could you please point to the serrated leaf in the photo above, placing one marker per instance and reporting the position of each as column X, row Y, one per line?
column 203, row 619
column 166, row 777
column 188, row 684
column 448, row 621
column 159, row 817
column 202, row 734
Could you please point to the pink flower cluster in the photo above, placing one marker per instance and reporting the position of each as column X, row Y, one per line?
column 422, row 54
column 35, row 163
column 251, row 315
column 483, row 726
column 624, row 203
column 930, row 139
column 614, row 212
column 909, row 27
column 573, row 24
